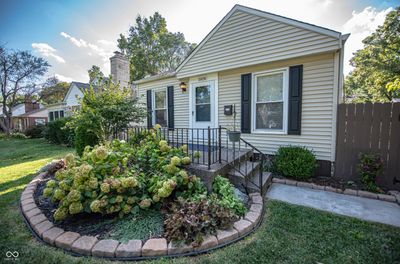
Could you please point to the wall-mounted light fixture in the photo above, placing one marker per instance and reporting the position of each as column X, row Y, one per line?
column 183, row 86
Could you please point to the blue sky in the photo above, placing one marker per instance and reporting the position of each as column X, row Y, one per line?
column 73, row 35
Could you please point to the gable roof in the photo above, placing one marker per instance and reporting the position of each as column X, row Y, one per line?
column 263, row 14
column 81, row 86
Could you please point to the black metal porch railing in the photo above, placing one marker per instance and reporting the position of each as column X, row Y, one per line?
column 209, row 146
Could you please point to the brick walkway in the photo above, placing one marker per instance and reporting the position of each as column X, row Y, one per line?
column 358, row 207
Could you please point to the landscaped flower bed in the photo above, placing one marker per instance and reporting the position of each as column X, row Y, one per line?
column 135, row 195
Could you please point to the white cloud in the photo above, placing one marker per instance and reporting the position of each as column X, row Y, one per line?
column 361, row 25
column 63, row 78
column 104, row 49
column 79, row 43
column 47, row 51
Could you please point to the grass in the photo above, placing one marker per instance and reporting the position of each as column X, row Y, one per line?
column 289, row 234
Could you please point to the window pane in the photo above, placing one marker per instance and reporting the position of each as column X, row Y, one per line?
column 56, row 115
column 51, row 115
column 161, row 117
column 270, row 88
column 61, row 113
column 269, row 116
column 161, row 101
column 203, row 112
column 203, row 94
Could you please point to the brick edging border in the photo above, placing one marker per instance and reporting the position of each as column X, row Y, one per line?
column 377, row 196
column 75, row 244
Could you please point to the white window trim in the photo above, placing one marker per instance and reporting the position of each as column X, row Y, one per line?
column 153, row 104
column 285, row 72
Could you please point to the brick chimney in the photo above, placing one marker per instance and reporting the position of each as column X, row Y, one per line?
column 120, row 68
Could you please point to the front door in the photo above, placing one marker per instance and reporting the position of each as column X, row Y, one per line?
column 203, row 104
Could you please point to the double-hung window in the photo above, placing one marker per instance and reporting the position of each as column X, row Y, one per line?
column 270, row 101
column 160, row 108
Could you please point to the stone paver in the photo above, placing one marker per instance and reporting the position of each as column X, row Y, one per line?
column 332, row 189
column 257, row 199
column 355, row 206
column 208, row 242
column 278, row 180
column 26, row 197
column 32, row 212
column 304, row 184
column 131, row 249
column 84, row 245
column 291, row 182
column 350, row 192
column 386, row 197
column 253, row 217
column 42, row 227
column 256, row 208
column 66, row 240
column 34, row 220
column 105, row 248
column 27, row 207
column 155, row 247
column 243, row 226
column 317, row 187
column 367, row 194
column 225, row 236
column 50, row 235
column 178, row 248
column 27, row 201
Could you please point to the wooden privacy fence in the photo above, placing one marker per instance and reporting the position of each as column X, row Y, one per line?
column 373, row 128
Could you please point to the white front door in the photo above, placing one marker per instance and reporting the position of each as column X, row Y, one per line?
column 203, row 104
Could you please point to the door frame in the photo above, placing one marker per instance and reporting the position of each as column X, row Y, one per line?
column 200, row 79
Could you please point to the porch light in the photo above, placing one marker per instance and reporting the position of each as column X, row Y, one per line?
column 183, row 86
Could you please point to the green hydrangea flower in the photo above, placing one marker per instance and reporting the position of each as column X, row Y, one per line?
column 129, row 182
column 93, row 183
column 75, row 208
column 60, row 214
column 74, row 196
column 105, row 187
column 185, row 161
column 58, row 194
column 51, row 184
column 95, row 206
column 176, row 161
column 101, row 153
column 127, row 209
column 70, row 160
column 47, row 192
column 131, row 200
column 145, row 203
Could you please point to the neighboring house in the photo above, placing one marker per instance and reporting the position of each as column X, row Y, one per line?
column 26, row 115
column 282, row 76
column 120, row 73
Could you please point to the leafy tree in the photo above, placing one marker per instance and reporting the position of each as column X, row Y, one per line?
column 105, row 109
column 376, row 76
column 18, row 71
column 152, row 48
column 95, row 75
column 53, row 90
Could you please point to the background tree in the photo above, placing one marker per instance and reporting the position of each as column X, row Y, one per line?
column 376, row 77
column 53, row 90
column 96, row 76
column 18, row 71
column 152, row 49
column 105, row 109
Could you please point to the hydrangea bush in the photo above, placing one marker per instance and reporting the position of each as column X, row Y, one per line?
column 122, row 177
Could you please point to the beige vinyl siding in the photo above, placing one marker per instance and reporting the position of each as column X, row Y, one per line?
column 247, row 39
column 181, row 106
column 317, row 105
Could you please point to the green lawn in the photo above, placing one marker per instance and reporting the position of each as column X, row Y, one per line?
column 289, row 234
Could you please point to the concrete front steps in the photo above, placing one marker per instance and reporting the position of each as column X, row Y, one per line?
column 246, row 173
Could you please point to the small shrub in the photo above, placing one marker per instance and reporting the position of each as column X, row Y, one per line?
column 84, row 136
column 297, row 162
column 58, row 132
column 225, row 195
column 369, row 168
column 189, row 221
column 35, row 131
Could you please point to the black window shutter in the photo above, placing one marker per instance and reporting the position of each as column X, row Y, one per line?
column 149, row 109
column 295, row 92
column 170, row 99
column 246, row 103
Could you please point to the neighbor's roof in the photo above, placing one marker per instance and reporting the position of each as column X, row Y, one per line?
column 32, row 112
column 82, row 86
